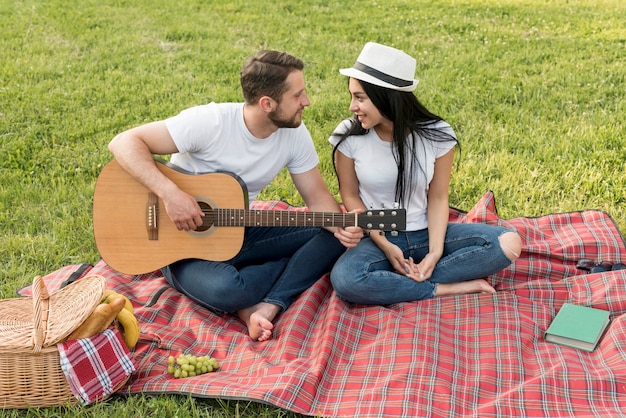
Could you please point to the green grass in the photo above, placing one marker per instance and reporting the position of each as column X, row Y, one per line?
column 533, row 88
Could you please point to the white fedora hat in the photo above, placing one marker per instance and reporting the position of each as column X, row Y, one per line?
column 384, row 66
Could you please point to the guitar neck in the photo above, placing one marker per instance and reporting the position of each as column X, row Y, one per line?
column 251, row 217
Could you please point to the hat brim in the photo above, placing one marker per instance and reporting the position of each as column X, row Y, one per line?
column 360, row 75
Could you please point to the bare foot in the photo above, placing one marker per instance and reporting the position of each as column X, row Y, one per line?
column 461, row 288
column 258, row 319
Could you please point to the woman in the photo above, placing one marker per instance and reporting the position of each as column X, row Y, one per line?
column 394, row 151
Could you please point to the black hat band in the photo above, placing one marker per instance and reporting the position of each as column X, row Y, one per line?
column 398, row 82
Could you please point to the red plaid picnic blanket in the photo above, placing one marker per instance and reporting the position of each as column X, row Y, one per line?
column 469, row 355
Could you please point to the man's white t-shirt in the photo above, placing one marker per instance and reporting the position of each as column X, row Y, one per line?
column 214, row 137
column 377, row 171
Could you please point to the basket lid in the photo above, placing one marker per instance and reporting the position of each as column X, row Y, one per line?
column 44, row 319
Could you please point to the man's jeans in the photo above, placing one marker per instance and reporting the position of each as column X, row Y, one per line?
column 275, row 265
column 364, row 274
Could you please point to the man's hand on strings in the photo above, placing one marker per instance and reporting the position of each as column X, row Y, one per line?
column 183, row 210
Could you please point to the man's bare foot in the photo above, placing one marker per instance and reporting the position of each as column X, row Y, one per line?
column 258, row 319
column 461, row 288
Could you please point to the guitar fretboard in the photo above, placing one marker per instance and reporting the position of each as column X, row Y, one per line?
column 245, row 217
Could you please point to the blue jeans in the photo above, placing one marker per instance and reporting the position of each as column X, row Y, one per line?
column 364, row 275
column 274, row 265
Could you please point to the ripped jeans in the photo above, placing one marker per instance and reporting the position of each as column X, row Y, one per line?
column 364, row 275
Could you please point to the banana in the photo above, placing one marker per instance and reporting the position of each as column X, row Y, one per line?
column 130, row 327
column 107, row 293
column 110, row 294
column 113, row 307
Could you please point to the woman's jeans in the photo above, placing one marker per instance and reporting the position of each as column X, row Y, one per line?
column 364, row 275
column 275, row 265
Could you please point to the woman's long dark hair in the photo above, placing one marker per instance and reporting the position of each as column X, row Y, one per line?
column 408, row 116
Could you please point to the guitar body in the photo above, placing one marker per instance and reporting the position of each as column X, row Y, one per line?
column 120, row 221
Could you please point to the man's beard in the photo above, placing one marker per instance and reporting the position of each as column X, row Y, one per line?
column 277, row 118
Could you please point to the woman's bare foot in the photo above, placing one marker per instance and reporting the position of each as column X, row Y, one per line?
column 258, row 319
column 461, row 288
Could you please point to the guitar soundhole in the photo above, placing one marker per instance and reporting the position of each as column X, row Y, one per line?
column 207, row 221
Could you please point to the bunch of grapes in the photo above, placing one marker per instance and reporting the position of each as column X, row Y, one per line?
column 188, row 365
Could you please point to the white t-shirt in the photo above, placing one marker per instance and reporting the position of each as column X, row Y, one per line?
column 214, row 137
column 377, row 171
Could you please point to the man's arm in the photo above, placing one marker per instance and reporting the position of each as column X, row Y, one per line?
column 314, row 192
column 316, row 196
column 133, row 150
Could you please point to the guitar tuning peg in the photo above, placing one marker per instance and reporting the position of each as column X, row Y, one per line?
column 382, row 206
column 394, row 233
column 396, row 205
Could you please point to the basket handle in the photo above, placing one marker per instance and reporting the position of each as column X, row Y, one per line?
column 40, row 313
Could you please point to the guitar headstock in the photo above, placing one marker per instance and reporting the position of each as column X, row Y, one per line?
column 383, row 219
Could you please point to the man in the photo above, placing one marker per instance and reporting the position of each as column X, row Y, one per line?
column 254, row 140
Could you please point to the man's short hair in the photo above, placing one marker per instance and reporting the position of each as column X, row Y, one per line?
column 265, row 74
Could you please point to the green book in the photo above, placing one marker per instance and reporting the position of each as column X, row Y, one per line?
column 578, row 326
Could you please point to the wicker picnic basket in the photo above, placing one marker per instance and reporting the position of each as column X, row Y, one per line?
column 30, row 328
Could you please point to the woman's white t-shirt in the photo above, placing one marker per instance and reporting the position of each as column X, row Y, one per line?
column 377, row 171
column 214, row 137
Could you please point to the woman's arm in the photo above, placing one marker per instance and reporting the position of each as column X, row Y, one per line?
column 438, row 213
column 348, row 182
column 349, row 190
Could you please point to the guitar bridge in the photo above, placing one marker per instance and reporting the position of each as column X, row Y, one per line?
column 152, row 216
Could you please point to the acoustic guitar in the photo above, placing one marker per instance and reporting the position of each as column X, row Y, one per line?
column 134, row 234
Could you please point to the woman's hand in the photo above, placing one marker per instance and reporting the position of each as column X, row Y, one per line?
column 422, row 270
column 396, row 258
